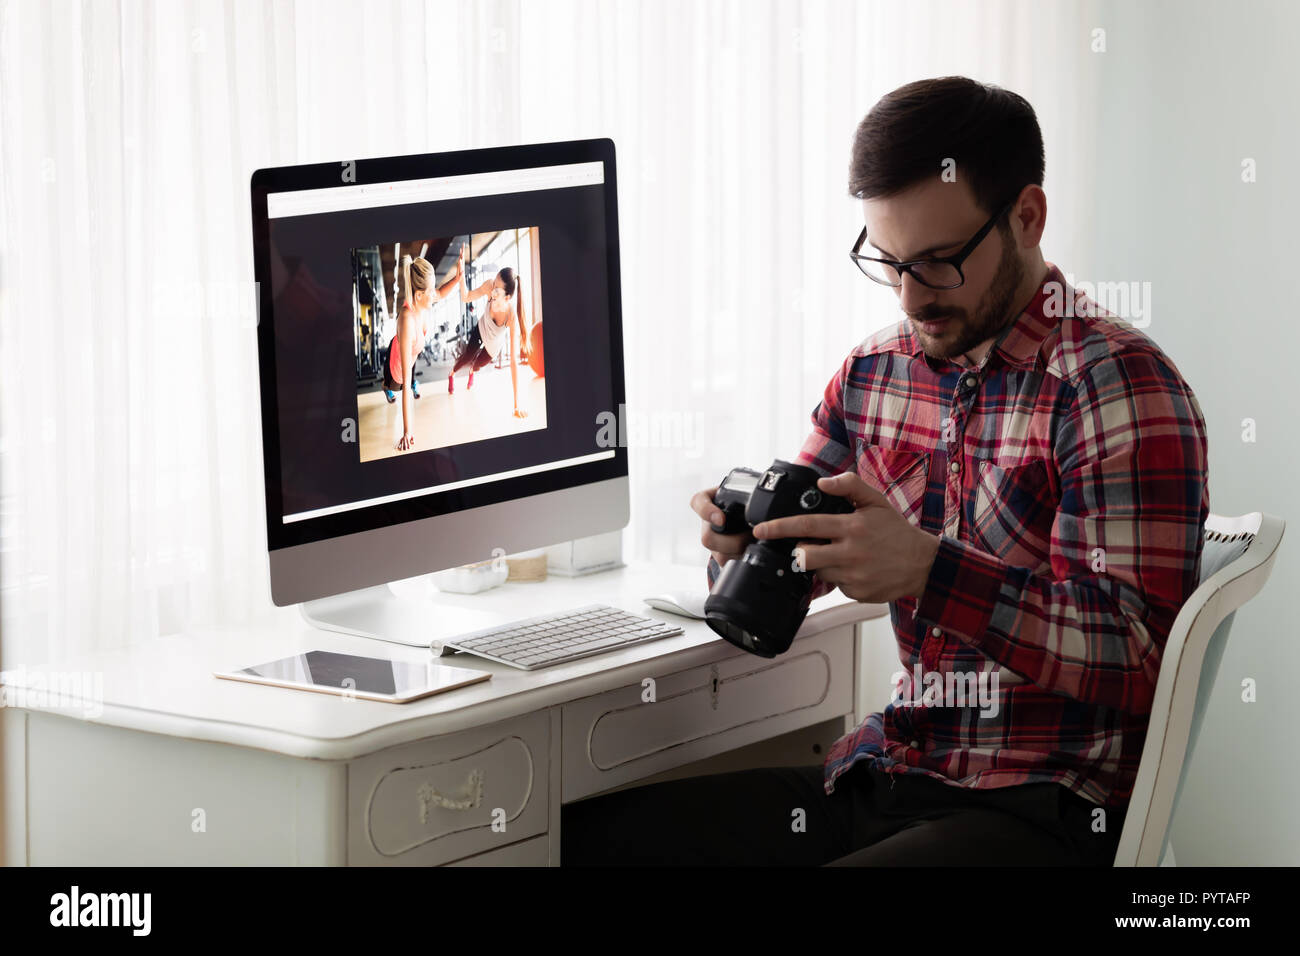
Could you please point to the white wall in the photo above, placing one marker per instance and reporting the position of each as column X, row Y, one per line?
column 1187, row 91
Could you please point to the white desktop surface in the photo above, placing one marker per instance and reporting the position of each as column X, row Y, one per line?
column 166, row 685
column 283, row 776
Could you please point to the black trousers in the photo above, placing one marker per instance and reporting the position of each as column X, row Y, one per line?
column 391, row 384
column 782, row 816
column 474, row 354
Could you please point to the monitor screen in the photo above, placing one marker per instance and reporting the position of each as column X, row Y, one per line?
column 370, row 414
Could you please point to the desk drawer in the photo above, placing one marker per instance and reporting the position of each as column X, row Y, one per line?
column 534, row 852
column 617, row 737
column 436, row 800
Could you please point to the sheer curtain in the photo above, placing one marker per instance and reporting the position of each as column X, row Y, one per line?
column 130, row 458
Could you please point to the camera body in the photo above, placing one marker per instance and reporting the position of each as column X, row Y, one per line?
column 759, row 600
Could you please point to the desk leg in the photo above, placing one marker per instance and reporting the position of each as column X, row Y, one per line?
column 556, row 785
column 110, row 796
column 851, row 720
column 13, row 780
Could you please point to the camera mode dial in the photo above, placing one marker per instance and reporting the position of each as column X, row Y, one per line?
column 810, row 499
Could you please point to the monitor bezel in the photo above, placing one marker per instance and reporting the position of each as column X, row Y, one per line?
column 279, row 179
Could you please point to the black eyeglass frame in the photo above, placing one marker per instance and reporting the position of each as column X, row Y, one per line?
column 954, row 260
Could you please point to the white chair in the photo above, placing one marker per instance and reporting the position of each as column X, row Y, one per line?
column 1236, row 561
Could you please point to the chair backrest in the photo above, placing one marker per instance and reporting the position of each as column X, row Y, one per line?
column 1236, row 560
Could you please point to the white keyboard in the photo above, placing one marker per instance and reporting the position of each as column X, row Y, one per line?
column 561, row 637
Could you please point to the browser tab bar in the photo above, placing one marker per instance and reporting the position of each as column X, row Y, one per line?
column 305, row 202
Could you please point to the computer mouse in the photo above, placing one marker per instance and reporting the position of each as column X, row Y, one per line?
column 680, row 604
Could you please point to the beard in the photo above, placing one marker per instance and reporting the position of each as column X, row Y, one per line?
column 991, row 315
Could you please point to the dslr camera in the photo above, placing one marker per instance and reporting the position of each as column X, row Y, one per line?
column 760, row 599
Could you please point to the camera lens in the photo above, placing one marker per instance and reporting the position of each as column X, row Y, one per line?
column 759, row 601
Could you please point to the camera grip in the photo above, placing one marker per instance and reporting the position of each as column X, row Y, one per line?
column 733, row 516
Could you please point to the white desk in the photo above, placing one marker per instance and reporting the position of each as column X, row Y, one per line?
column 181, row 767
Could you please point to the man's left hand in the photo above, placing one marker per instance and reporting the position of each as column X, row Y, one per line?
column 874, row 554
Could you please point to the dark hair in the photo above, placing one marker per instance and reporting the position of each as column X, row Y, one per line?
column 991, row 133
column 507, row 277
column 511, row 282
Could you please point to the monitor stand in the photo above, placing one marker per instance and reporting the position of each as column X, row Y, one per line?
column 381, row 614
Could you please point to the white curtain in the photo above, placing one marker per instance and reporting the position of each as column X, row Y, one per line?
column 130, row 457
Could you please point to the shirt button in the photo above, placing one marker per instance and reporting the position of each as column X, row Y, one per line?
column 936, row 632
column 955, row 467
column 969, row 381
column 916, row 744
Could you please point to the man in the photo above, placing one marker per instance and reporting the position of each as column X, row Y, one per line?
column 1029, row 483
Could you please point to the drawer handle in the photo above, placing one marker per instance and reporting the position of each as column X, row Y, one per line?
column 473, row 788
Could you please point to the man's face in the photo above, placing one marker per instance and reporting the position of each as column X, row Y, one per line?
column 936, row 219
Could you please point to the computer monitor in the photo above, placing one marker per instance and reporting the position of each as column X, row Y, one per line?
column 348, row 508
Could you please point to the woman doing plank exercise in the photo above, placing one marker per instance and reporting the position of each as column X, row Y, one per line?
column 417, row 280
column 497, row 324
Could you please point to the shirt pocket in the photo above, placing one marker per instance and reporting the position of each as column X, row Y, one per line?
column 899, row 474
column 1013, row 513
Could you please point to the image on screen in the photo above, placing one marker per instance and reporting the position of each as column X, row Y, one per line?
column 457, row 326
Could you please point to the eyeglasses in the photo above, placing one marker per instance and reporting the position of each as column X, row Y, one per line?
column 942, row 273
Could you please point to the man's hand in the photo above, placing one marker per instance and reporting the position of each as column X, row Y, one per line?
column 873, row 555
column 723, row 547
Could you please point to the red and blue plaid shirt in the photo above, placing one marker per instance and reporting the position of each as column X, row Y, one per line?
column 1065, row 477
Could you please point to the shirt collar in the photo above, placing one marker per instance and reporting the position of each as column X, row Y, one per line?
column 1018, row 343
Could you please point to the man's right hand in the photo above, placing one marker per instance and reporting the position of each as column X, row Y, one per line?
column 723, row 547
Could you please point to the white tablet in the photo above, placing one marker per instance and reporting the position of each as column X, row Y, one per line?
column 370, row 678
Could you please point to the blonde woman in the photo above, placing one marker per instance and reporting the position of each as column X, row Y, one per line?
column 497, row 323
column 412, row 327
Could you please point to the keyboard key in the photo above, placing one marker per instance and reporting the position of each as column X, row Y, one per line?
column 604, row 642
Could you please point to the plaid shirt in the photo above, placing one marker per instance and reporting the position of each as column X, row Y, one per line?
column 1065, row 477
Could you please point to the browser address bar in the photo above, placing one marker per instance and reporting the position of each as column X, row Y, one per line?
column 305, row 202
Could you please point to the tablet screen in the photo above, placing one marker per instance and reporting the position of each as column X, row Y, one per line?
column 349, row 673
